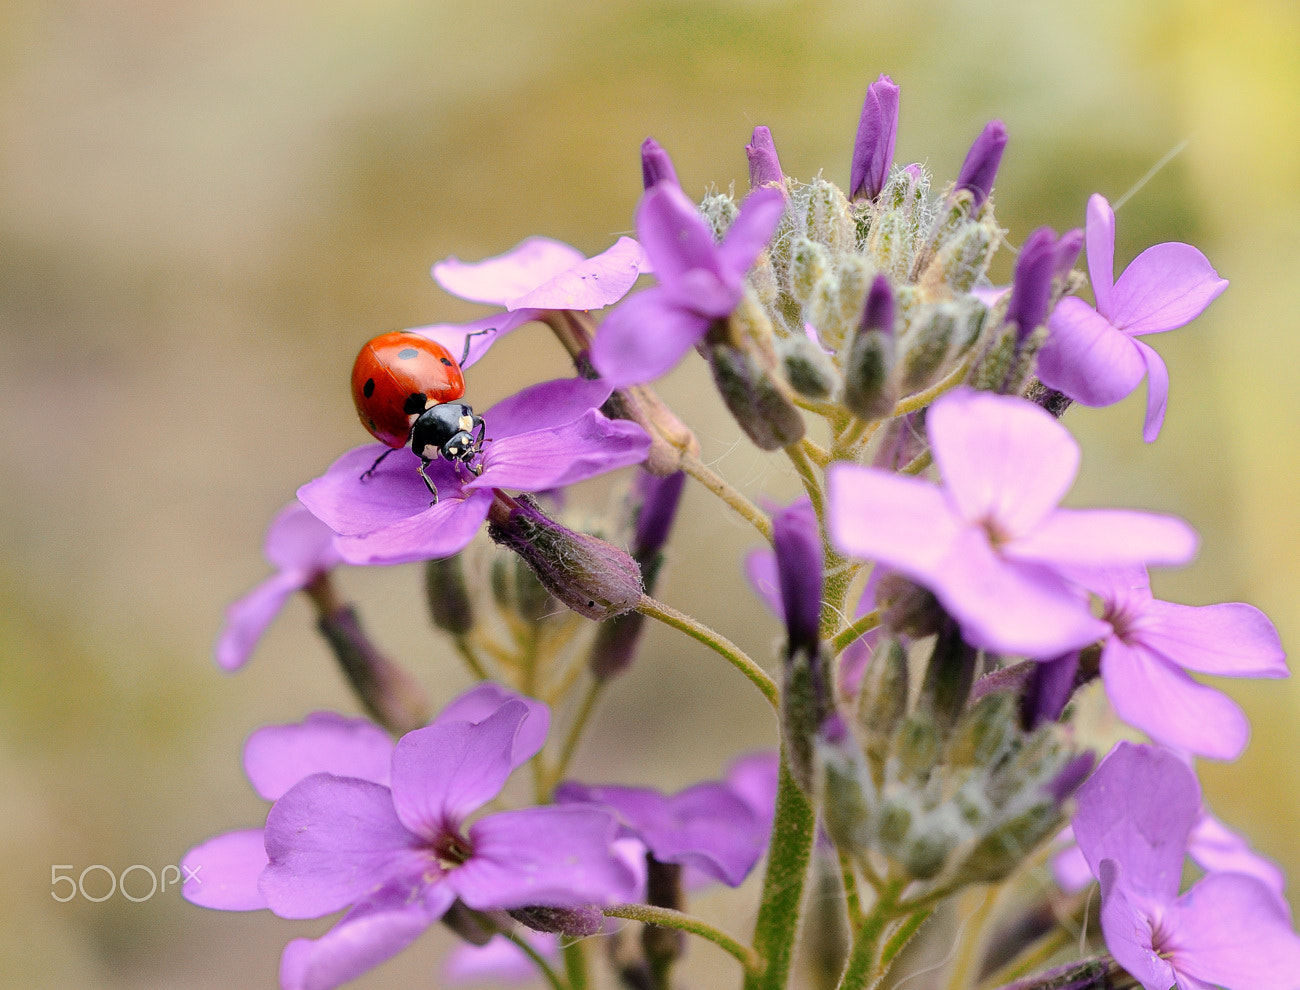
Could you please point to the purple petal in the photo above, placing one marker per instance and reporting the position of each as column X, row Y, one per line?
column 750, row 232
column 1005, row 461
column 1151, row 694
column 591, row 283
column 873, row 145
column 1157, row 391
column 352, row 506
column 482, row 701
column 1069, row 867
column 674, row 233
column 656, row 164
column 1128, row 930
column 764, row 166
column 446, row 771
column 546, row 405
column 644, row 337
column 564, row 455
column 555, row 856
column 1166, row 286
column 331, row 842
column 980, row 168
column 798, row 543
column 1106, row 538
column 1218, row 849
column 1137, row 810
column 659, row 498
column 1100, row 228
column 1032, row 287
column 366, row 936
column 222, row 872
column 1086, row 358
column 248, row 618
column 1228, row 930
column 904, row 522
column 527, row 265
column 481, row 334
column 760, row 569
column 1233, row 639
column 442, row 531
column 500, row 959
column 278, row 756
column 297, row 540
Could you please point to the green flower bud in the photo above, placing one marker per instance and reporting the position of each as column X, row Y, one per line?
column 848, row 793
column 720, row 210
column 984, row 733
column 963, row 259
column 926, row 345
column 445, row 587
column 827, row 215
column 809, row 369
column 917, row 747
column 809, row 264
column 755, row 398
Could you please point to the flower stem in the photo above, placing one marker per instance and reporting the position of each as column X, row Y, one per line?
column 551, row 976
column 858, row 628
column 668, row 918
column 922, row 399
column 788, row 854
column 852, row 901
column 810, row 476
column 865, row 960
column 720, row 487
column 715, row 641
column 575, row 965
column 902, row 935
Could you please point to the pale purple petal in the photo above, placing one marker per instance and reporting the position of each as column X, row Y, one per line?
column 440, row 531
column 1218, row 849
column 352, row 506
column 248, row 618
column 1152, row 694
column 498, row 280
column 481, row 333
column 760, row 569
column 482, row 701
column 753, row 778
column 855, row 657
column 446, row 771
column 564, row 455
column 545, row 405
column 1100, row 229
column 591, row 283
column 278, row 756
column 1157, row 391
column 332, row 841
column 556, row 856
column 705, row 293
column 1166, row 286
column 1069, row 867
column 222, row 873
column 1233, row 639
column 675, row 234
column 499, row 960
column 1228, row 930
column 750, row 232
column 1137, row 810
column 645, row 336
column 1106, row 538
column 1127, row 925
column 1005, row 461
column 1087, row 358
column 904, row 522
column 369, row 934
column 297, row 540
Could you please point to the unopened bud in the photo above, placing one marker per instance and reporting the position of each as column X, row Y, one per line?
column 909, row 609
column 873, row 148
column 948, row 677
column 869, row 387
column 963, row 259
column 827, row 216
column 805, row 705
column 450, row 605
column 1031, row 288
column 917, row 747
column 984, row 733
column 929, row 845
column 475, row 927
column 1048, row 688
column 994, row 367
column 755, row 399
column 656, row 166
column 764, row 166
column 980, row 168
column 720, row 210
column 570, row 922
column 1005, row 848
column 848, row 792
column 590, row 576
column 1067, row 253
column 926, row 346
column 808, row 368
column 810, row 264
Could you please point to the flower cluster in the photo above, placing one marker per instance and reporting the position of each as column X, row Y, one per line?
column 939, row 610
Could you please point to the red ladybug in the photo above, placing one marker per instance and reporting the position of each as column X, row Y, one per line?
column 403, row 386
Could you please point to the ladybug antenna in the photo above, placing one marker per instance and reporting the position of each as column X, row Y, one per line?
column 468, row 337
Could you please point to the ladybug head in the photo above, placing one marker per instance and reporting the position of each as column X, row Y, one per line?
column 448, row 429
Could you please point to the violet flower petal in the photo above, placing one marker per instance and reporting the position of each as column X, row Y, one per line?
column 753, row 778
column 331, row 841
column 369, row 934
column 482, row 701
column 798, row 544
column 446, row 771
column 645, row 337
column 1157, row 391
column 675, row 234
column 555, row 856
column 1227, row 930
column 1164, row 287
column 873, row 145
column 565, row 455
column 1106, row 537
column 760, row 569
column 980, row 168
column 656, row 164
column 297, row 540
column 500, row 959
column 1155, row 696
column 1127, row 925
column 532, row 262
column 352, row 506
column 592, row 283
column 545, row 405
column 1231, row 639
column 750, row 232
column 1099, row 227
column 440, row 531
column 1086, row 357
column 764, row 166
column 222, row 873
column 248, row 618
column 278, row 756
column 1137, row 810
column 480, row 334
column 1218, row 849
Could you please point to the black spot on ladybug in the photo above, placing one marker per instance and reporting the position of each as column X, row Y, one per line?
column 369, row 388
column 447, row 362
column 414, row 403
column 406, row 353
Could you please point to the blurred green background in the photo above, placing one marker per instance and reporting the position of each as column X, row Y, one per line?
column 204, row 209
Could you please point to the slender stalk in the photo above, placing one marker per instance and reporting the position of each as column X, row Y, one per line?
column 854, row 435
column 576, row 729
column 811, row 478
column 715, row 641
column 859, row 627
column 575, row 965
column 668, row 918
column 950, row 381
column 897, row 942
column 864, row 959
column 852, row 901
column 788, row 854
column 720, row 487
column 918, row 463
column 818, row 454
column 551, row 976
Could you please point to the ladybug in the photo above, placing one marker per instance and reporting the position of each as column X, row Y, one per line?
column 404, row 387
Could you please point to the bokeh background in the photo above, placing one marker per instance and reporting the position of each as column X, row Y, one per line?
column 204, row 209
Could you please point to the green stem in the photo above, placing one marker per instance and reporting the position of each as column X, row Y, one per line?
column 715, row 641
column 864, row 959
column 856, row 629
column 922, row 399
column 810, row 476
column 918, row 463
column 852, row 901
column 720, row 487
column 668, row 918
column 816, row 453
column 575, row 965
column 902, row 935
column 788, row 854
column 551, row 976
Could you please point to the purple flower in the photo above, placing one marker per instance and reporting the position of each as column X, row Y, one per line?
column 1133, row 822
column 873, row 147
column 546, row 436
column 1093, row 355
column 656, row 165
column 718, row 830
column 797, row 541
column 700, row 281
column 301, row 548
column 1151, row 643
column 764, row 166
column 1032, row 287
column 537, row 275
column 990, row 543
column 981, row 165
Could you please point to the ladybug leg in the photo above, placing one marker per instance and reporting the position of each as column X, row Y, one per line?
column 378, row 460
column 470, row 336
column 424, row 463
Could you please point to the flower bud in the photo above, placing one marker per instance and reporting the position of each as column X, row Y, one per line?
column 450, row 605
column 825, row 215
column 656, row 166
column 720, row 210
column 590, row 576
column 764, row 167
column 570, row 922
column 1007, row 846
column 848, row 792
column 805, row 705
column 663, row 946
column 948, row 677
column 1067, row 252
column 962, row 259
column 917, row 747
column 1031, row 288
column 869, row 387
column 390, row 695
column 809, row 265
column 1049, row 686
column 926, row 346
column 929, row 844
column 807, row 367
column 873, row 147
column 755, row 399
column 984, row 733
column 980, row 168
